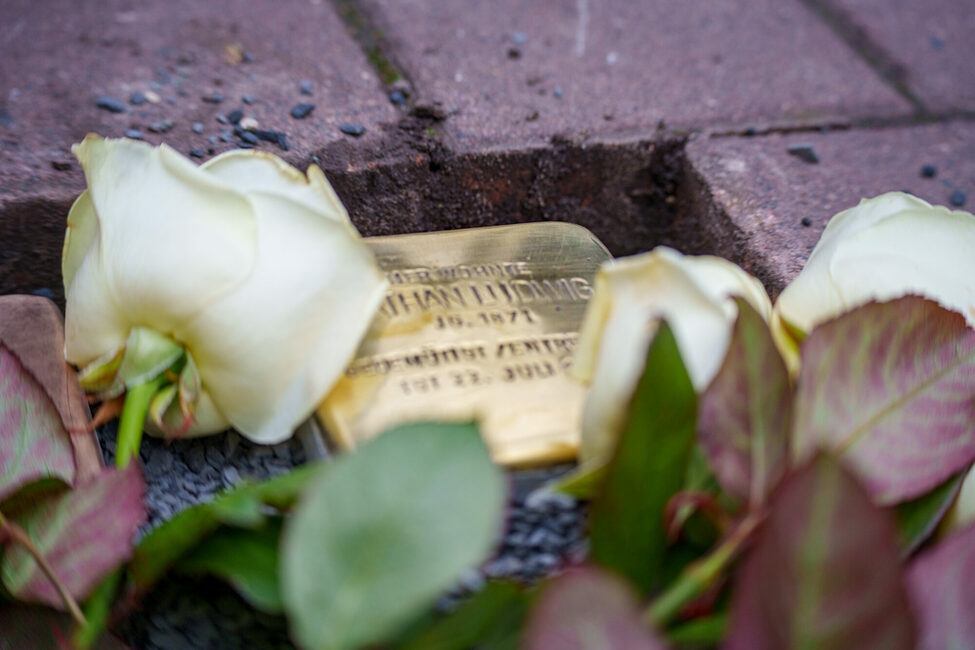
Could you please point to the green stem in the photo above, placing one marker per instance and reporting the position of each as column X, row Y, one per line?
column 133, row 419
column 698, row 577
column 96, row 610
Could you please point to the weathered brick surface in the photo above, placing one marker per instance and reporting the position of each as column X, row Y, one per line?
column 746, row 197
column 930, row 43
column 58, row 56
column 497, row 68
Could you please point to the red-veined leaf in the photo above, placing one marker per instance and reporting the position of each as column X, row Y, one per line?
column 84, row 533
column 824, row 571
column 588, row 609
column 743, row 417
column 890, row 387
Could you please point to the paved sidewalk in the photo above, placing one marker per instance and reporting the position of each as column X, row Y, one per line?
column 649, row 122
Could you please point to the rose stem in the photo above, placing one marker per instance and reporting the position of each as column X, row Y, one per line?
column 20, row 536
column 699, row 576
column 133, row 418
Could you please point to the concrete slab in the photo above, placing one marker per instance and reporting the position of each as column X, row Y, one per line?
column 516, row 72
column 930, row 43
column 59, row 57
column 746, row 198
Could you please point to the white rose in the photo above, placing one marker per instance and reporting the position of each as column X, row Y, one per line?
column 693, row 294
column 884, row 248
column 243, row 270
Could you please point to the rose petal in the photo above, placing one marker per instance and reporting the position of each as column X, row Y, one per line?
column 693, row 294
column 79, row 236
column 886, row 247
column 317, row 289
column 173, row 239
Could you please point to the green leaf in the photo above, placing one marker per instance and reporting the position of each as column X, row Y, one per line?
column 649, row 466
column 242, row 506
column 490, row 620
column 588, row 609
column 824, row 571
column 704, row 632
column 247, row 559
column 33, row 442
column 580, row 483
column 891, row 388
column 84, row 533
column 917, row 519
column 743, row 418
column 385, row 530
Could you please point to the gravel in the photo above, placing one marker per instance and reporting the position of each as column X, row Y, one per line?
column 543, row 533
column 957, row 198
column 928, row 171
column 110, row 104
column 352, row 128
column 804, row 152
column 135, row 134
column 305, row 87
column 301, row 111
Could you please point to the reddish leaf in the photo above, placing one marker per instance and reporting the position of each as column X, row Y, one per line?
column 942, row 587
column 33, row 442
column 743, row 421
column 891, row 387
column 31, row 327
column 588, row 609
column 824, row 571
column 83, row 533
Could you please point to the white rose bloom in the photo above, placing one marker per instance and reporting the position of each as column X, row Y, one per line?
column 247, row 265
column 693, row 294
column 884, row 248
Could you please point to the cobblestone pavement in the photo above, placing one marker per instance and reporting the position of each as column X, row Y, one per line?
column 733, row 127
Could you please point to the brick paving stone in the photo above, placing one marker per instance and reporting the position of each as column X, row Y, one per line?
column 59, row 57
column 746, row 198
column 512, row 72
column 930, row 42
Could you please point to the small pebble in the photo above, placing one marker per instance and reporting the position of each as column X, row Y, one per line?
column 750, row 130
column 135, row 134
column 398, row 98
column 222, row 118
column 242, row 144
column 227, row 136
column 61, row 165
column 301, row 111
column 518, row 38
column 152, row 98
column 161, row 126
column 929, row 171
column 557, row 92
column 247, row 99
column 171, row 101
column 109, row 103
column 247, row 137
column 806, row 221
column 958, row 198
column 213, row 98
column 514, row 53
column 248, row 123
column 937, row 43
column 352, row 128
column 197, row 153
column 197, row 127
column 235, row 115
column 212, row 139
column 804, row 152
column 138, row 98
column 247, row 57
column 305, row 87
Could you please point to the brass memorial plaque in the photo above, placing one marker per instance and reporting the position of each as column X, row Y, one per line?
column 476, row 324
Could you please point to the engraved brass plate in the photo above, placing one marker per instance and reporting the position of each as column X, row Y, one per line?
column 476, row 324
